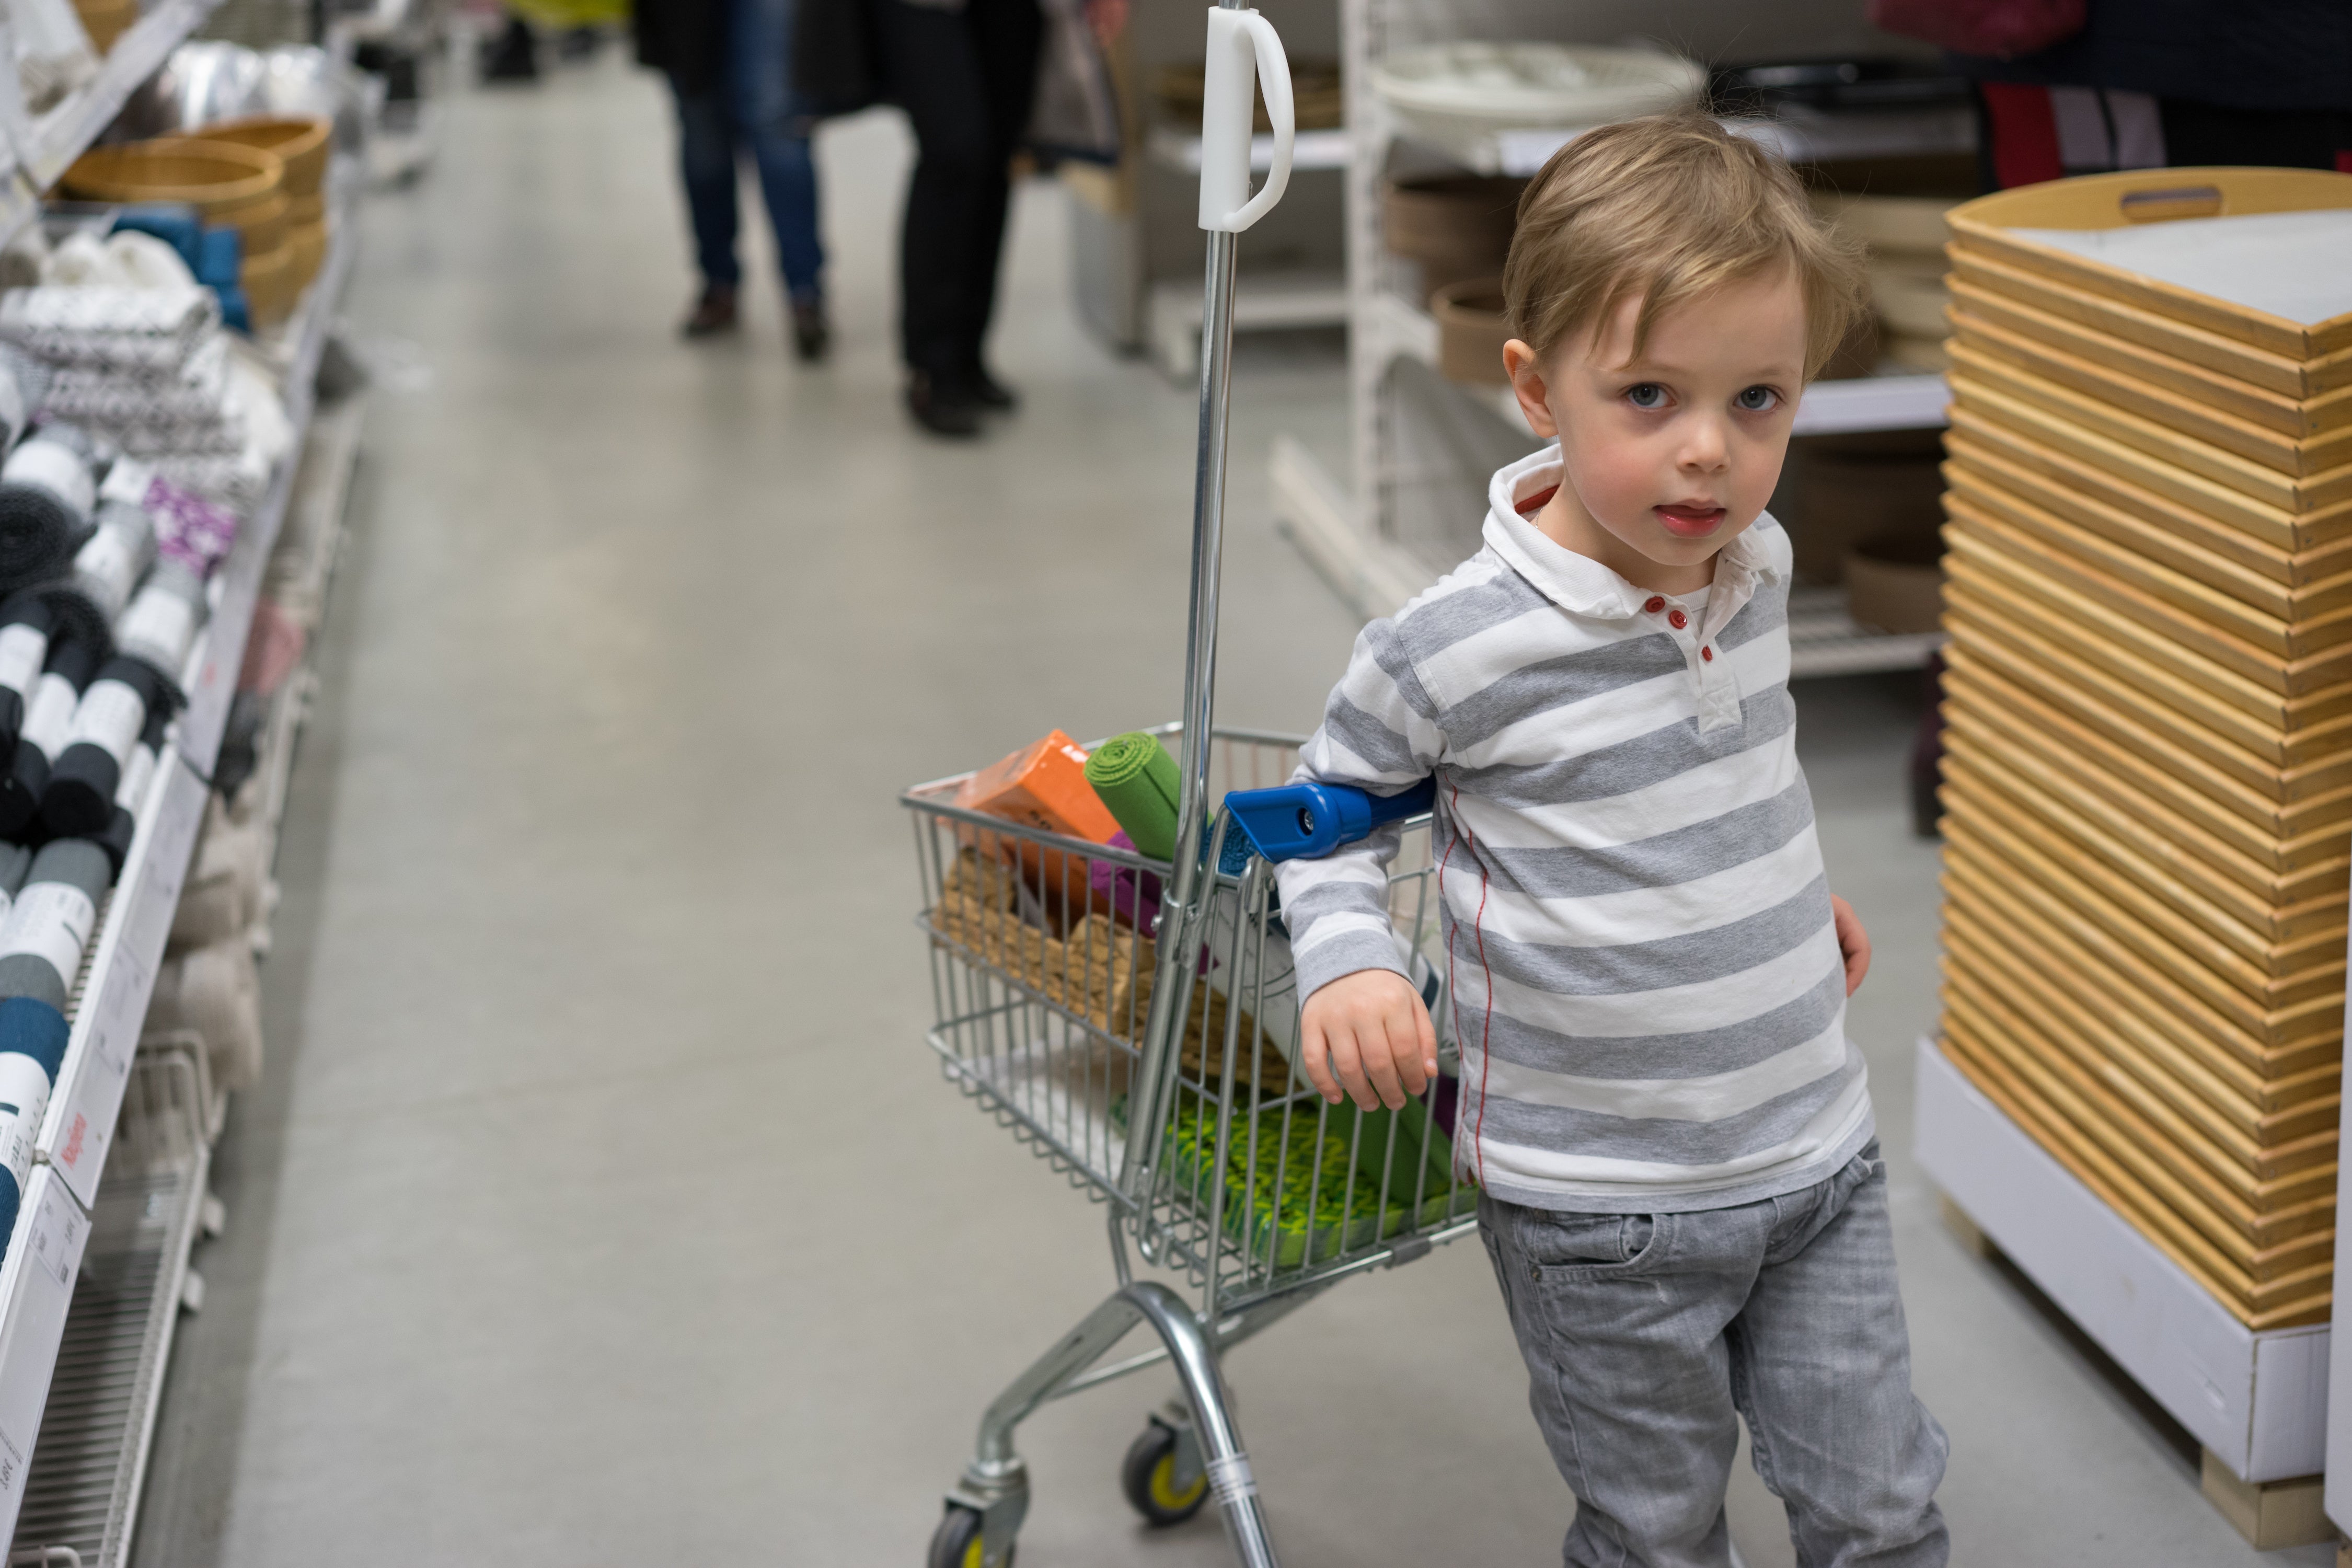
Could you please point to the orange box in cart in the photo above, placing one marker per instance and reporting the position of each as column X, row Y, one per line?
column 1043, row 785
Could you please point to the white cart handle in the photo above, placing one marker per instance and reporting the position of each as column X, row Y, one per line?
column 1244, row 51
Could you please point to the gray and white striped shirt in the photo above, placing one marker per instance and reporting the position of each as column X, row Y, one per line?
column 1645, row 973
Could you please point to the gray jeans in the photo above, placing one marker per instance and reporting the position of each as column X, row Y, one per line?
column 1646, row 1337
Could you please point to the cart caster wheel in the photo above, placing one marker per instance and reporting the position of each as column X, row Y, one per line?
column 1147, row 1476
column 957, row 1543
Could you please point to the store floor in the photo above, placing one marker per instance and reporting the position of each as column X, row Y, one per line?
column 603, row 1205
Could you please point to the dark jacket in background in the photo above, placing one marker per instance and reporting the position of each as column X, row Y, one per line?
column 2262, row 56
column 687, row 39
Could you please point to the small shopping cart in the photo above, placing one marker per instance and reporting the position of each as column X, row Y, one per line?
column 1136, row 1021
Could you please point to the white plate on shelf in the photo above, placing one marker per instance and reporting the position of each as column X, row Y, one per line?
column 1478, row 88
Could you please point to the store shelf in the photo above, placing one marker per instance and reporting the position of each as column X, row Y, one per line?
column 1311, row 150
column 37, row 1281
column 130, row 941
column 1263, row 301
column 1823, row 639
column 2258, row 1402
column 1800, row 139
column 82, row 1493
column 56, row 138
column 1873, row 403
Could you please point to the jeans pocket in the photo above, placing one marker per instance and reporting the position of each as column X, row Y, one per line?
column 1590, row 1241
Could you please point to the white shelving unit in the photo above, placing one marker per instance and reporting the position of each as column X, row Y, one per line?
column 1421, row 448
column 1136, row 244
column 51, row 140
column 2256, row 1401
column 109, row 1003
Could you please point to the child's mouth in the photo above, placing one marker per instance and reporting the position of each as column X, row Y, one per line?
column 1690, row 522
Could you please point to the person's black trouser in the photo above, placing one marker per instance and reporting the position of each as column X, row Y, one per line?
column 965, row 79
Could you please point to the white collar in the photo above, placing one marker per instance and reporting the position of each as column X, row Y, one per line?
column 1581, row 584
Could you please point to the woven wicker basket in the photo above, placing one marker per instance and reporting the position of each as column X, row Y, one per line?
column 302, row 144
column 221, row 180
column 269, row 287
column 307, row 242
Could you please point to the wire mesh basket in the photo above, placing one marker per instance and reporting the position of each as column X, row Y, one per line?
column 1045, row 958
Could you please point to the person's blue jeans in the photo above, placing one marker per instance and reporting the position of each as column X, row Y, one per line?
column 1648, row 1337
column 754, row 110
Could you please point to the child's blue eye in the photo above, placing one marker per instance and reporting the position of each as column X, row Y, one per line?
column 1757, row 399
column 1649, row 395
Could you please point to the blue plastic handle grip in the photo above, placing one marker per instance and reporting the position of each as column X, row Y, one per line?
column 1307, row 821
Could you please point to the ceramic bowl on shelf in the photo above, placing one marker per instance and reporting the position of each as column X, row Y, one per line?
column 1471, row 331
column 1450, row 91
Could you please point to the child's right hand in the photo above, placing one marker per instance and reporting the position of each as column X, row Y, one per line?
column 1368, row 1034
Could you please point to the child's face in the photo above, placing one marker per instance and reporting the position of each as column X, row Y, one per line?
column 1669, row 455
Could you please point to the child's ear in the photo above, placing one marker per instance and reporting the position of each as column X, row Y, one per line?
column 1528, row 385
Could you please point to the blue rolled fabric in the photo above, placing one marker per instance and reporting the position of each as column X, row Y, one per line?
column 33, row 1037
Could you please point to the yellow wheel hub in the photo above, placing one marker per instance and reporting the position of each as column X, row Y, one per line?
column 972, row 1554
column 1163, row 1487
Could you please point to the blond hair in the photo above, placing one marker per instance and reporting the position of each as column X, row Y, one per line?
column 1668, row 208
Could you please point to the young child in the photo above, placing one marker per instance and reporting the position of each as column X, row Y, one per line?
column 1682, row 1196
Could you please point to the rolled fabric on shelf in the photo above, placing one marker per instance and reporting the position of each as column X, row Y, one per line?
column 137, row 778
column 33, row 1037
column 165, row 616
column 85, row 775
column 25, row 624
column 49, row 924
column 47, row 490
column 48, row 719
column 214, row 990
column 109, row 568
column 190, row 528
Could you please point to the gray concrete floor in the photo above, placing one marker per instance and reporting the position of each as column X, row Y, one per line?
column 602, row 1205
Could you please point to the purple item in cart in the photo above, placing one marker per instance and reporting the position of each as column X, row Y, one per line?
column 189, row 529
column 1134, row 894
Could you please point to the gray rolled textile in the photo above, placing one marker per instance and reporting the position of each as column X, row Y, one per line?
column 23, row 388
column 161, row 626
column 47, row 490
column 15, row 859
column 50, row 921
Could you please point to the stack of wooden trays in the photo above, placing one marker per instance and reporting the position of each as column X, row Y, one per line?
column 2149, row 764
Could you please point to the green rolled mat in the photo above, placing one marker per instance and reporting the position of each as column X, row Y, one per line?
column 1137, row 780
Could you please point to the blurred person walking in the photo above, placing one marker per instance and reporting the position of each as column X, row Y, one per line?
column 966, row 73
column 730, row 66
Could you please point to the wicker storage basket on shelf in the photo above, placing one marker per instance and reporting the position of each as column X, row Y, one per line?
column 2148, row 752
column 227, row 183
column 270, row 285
column 301, row 143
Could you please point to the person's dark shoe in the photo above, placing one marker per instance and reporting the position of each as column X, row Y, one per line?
column 941, row 406
column 989, row 392
column 714, row 313
column 811, row 333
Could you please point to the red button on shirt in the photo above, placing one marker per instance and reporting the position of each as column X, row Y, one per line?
column 1708, row 653
column 1677, row 620
column 1655, row 605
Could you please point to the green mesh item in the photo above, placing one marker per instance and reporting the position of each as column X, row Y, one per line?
column 1334, row 1162
column 1139, row 781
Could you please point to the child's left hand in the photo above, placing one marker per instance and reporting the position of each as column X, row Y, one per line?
column 1853, row 942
